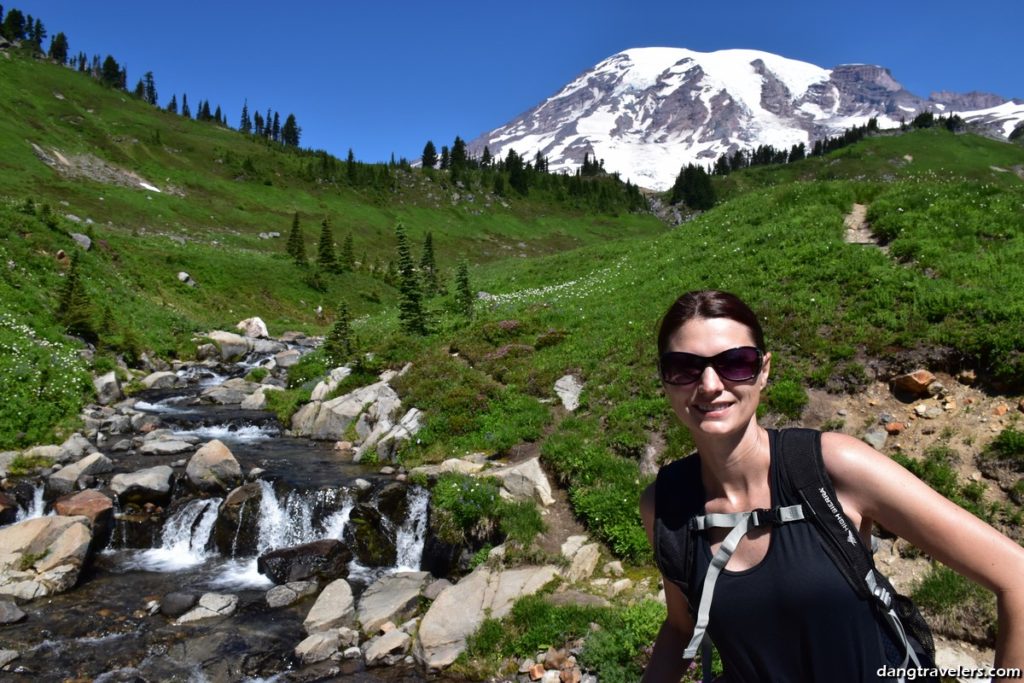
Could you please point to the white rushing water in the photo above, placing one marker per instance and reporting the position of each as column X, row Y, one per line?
column 246, row 434
column 184, row 538
column 37, row 508
column 167, row 405
column 413, row 533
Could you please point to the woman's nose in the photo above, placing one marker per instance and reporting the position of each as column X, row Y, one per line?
column 710, row 382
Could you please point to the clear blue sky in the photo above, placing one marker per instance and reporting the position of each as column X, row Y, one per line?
column 385, row 77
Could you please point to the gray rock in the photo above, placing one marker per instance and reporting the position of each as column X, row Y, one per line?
column 876, row 437
column 186, row 279
column 108, row 389
column 231, row 392
column 9, row 612
column 333, row 608
column 290, row 593
column 214, row 468
column 525, row 480
column 176, row 604
column 286, row 359
column 74, row 447
column 392, row 598
column 568, row 389
column 82, row 240
column 160, row 380
column 391, row 643
column 146, row 483
column 43, row 556
column 460, row 609
column 7, row 656
column 584, row 562
column 571, row 545
column 330, row 383
column 318, row 647
column 210, row 605
column 64, row 480
column 165, row 447
column 231, row 346
column 434, row 589
column 253, row 327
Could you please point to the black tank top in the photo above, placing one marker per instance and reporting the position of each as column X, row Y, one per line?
column 792, row 617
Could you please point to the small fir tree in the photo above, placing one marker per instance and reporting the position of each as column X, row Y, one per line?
column 296, row 245
column 429, row 158
column 463, row 295
column 172, row 106
column 150, row 88
column 74, row 310
column 325, row 253
column 290, row 132
column 347, row 257
column 338, row 345
column 428, row 266
column 410, row 308
column 245, row 124
column 59, row 48
column 110, row 74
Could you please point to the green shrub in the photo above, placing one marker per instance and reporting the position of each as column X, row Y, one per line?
column 520, row 521
column 1007, row 447
column 785, row 397
column 23, row 464
column 285, row 403
column 958, row 606
column 257, row 375
column 614, row 650
column 311, row 367
column 466, row 509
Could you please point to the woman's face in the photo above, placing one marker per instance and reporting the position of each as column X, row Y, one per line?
column 713, row 405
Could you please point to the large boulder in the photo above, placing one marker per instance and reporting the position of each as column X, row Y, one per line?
column 460, row 609
column 161, row 380
column 236, row 531
column 231, row 392
column 213, row 468
column 326, row 560
column 258, row 399
column 388, row 444
column 388, row 648
column 323, row 388
column 334, row 608
column 231, row 346
column 42, row 556
column 8, row 509
column 329, row 420
column 150, row 485
column 525, row 480
column 253, row 327
column 287, row 358
column 108, row 389
column 74, row 447
column 91, row 504
column 64, row 479
column 393, row 598
column 318, row 646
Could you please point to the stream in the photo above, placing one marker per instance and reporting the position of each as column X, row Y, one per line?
column 109, row 628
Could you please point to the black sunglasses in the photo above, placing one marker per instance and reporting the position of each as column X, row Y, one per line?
column 735, row 365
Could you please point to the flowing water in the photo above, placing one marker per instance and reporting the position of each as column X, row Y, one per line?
column 108, row 627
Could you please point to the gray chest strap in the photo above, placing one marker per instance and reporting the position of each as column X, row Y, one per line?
column 740, row 522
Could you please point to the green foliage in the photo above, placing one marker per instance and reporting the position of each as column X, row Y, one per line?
column 337, row 346
column 693, row 187
column 604, row 489
column 257, row 375
column 310, row 369
column 468, row 508
column 22, row 464
column 43, row 383
column 956, row 606
column 296, row 245
column 428, row 267
column 410, row 309
column 74, row 310
column 325, row 251
column 938, row 469
column 1007, row 448
column 614, row 650
column 463, row 293
column 285, row 403
column 785, row 397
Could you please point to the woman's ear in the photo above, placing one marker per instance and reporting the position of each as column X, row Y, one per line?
column 766, row 367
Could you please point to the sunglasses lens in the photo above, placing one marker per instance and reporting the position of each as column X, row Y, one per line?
column 681, row 368
column 737, row 365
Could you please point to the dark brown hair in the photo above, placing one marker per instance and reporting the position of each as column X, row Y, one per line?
column 707, row 303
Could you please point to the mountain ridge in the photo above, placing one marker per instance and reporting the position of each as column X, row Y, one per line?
column 648, row 111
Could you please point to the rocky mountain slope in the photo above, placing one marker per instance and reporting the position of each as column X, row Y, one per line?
column 647, row 111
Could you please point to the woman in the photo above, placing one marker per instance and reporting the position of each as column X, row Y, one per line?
column 781, row 609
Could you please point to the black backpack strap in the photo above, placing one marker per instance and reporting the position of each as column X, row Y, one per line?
column 803, row 471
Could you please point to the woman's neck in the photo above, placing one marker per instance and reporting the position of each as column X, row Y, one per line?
column 734, row 465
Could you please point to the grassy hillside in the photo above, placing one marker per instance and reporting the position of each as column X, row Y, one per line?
column 76, row 157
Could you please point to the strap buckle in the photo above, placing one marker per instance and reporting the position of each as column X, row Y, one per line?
column 765, row 517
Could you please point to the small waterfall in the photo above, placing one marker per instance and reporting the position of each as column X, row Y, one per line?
column 413, row 533
column 228, row 433
column 183, row 539
column 36, row 508
column 334, row 526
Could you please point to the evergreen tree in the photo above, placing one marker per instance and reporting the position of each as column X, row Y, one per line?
column 14, row 25
column 290, row 132
column 218, row 116
column 445, row 158
column 350, row 166
column 140, row 89
column 245, row 124
column 74, row 310
column 463, row 295
column 268, row 119
column 347, row 258
column 172, row 106
column 428, row 266
column 59, row 48
column 275, row 128
column 325, row 252
column 204, row 111
column 459, row 156
column 486, row 158
column 38, row 34
column 429, row 158
column 258, row 124
column 296, row 245
column 693, row 186
column 110, row 74
column 338, row 344
column 185, row 111
column 410, row 309
column 150, row 85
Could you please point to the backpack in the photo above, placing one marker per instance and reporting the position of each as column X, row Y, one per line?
column 798, row 457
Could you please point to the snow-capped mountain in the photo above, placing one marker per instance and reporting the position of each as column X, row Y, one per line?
column 648, row 111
